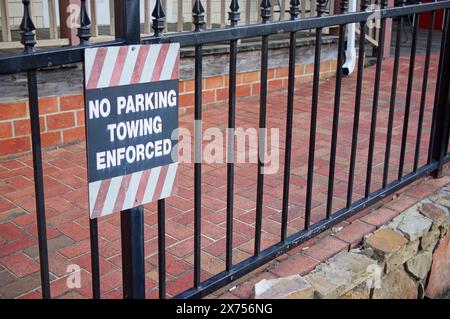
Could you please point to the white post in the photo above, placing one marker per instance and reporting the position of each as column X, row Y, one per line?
column 180, row 18
column 208, row 14
column 6, row 27
column 222, row 14
column 164, row 5
column 94, row 25
column 303, row 9
column 52, row 19
column 283, row 10
column 248, row 7
column 112, row 18
column 147, row 17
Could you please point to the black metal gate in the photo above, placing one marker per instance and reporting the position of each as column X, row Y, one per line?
column 128, row 32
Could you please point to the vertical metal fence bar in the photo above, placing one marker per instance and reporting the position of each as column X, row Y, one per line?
column 234, row 17
column 445, row 31
column 158, row 24
column 294, row 12
column 84, row 31
column 132, row 220
column 95, row 264
column 29, row 41
column 359, row 85
column 408, row 95
column 424, row 92
column 265, row 16
column 337, row 103
column 412, row 62
column 390, row 124
column 376, row 94
column 321, row 4
column 84, row 34
column 162, row 248
column 133, row 262
column 198, row 15
column 38, row 182
column 442, row 118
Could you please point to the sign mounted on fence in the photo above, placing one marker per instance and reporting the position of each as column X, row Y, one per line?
column 131, row 99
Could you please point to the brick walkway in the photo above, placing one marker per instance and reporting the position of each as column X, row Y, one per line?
column 66, row 195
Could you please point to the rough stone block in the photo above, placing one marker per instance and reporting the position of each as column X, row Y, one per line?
column 385, row 241
column 340, row 274
column 441, row 198
column 394, row 260
column 413, row 225
column 420, row 265
column 439, row 280
column 437, row 213
column 292, row 287
column 396, row 285
column 430, row 239
column 359, row 292
column 396, row 221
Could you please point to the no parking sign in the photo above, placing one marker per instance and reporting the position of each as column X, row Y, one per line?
column 131, row 99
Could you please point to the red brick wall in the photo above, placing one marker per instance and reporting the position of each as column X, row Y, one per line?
column 62, row 117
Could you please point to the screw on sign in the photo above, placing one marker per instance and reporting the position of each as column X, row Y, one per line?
column 131, row 112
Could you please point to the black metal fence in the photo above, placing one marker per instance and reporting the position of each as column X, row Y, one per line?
column 128, row 32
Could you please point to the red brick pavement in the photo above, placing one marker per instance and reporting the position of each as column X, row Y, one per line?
column 66, row 196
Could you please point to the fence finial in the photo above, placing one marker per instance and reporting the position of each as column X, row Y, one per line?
column 27, row 27
column 84, row 31
column 364, row 4
column 234, row 15
column 321, row 7
column 265, row 10
column 158, row 18
column 384, row 4
column 343, row 6
column 198, row 15
column 294, row 9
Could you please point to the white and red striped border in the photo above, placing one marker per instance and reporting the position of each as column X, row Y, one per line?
column 128, row 191
column 125, row 65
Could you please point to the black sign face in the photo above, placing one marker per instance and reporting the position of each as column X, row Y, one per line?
column 131, row 110
column 129, row 128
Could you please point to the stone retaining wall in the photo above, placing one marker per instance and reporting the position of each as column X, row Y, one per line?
column 407, row 258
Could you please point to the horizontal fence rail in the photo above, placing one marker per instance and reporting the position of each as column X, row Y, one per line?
column 127, row 31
